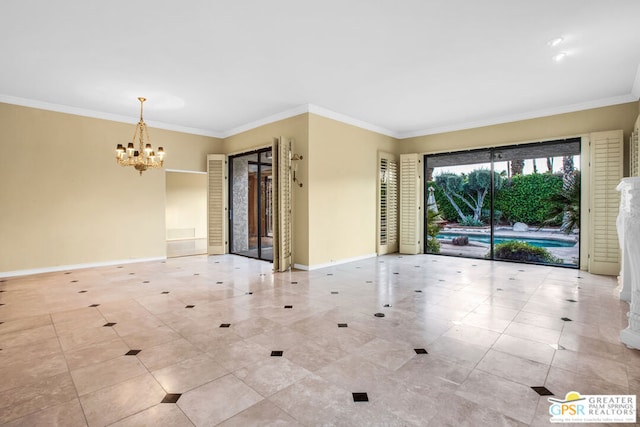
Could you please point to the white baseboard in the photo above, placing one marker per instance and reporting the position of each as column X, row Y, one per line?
column 333, row 263
column 75, row 267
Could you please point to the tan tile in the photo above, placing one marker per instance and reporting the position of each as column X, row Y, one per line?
column 459, row 411
column 21, row 401
column 514, row 368
column 271, row 375
column 119, row 401
column 79, row 338
column 591, row 367
column 189, row 373
column 27, row 336
column 218, row 400
column 531, row 332
column 472, row 335
column 261, row 414
column 100, row 375
column 24, row 323
column 512, row 399
column 168, row 353
column 29, row 371
column 532, row 350
column 163, row 414
column 96, row 353
column 67, row 414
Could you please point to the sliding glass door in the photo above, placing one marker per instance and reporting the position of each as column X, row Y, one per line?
column 518, row 203
column 250, row 194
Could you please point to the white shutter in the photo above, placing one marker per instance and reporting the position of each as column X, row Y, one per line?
column 216, row 204
column 387, row 203
column 606, row 161
column 410, row 204
column 634, row 151
column 282, row 182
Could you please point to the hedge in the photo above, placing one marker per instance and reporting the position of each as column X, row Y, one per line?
column 521, row 199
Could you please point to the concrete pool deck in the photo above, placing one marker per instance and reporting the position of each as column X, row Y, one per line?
column 479, row 250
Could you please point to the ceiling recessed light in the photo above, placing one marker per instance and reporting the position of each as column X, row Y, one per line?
column 559, row 57
column 555, row 42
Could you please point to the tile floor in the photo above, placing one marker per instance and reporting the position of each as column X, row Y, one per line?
column 222, row 341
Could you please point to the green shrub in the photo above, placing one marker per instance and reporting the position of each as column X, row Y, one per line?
column 470, row 221
column 525, row 198
column 433, row 228
column 520, row 251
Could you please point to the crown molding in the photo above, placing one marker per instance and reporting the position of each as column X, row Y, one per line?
column 59, row 108
column 604, row 102
column 329, row 114
column 296, row 111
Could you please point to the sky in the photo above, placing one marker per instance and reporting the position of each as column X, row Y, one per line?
column 541, row 164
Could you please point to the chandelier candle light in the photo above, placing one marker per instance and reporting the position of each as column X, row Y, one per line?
column 144, row 157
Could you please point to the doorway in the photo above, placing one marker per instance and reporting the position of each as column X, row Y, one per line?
column 518, row 203
column 250, row 201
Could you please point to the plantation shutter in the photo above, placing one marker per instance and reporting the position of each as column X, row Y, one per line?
column 606, row 161
column 282, row 205
column 216, row 204
column 387, row 203
column 410, row 206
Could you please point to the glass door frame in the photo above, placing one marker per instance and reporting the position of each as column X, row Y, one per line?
column 494, row 156
column 259, row 152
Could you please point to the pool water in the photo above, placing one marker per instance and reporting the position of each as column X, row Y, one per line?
column 541, row 243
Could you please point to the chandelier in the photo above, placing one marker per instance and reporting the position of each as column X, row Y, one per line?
column 143, row 157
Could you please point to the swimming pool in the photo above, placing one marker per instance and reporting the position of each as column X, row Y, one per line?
column 541, row 243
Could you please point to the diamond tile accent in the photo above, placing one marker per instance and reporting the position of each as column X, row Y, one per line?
column 74, row 281
column 109, row 324
column 171, row 398
column 132, row 352
column 288, row 306
column 386, row 305
column 225, row 325
column 542, row 391
column 248, row 293
column 418, row 290
column 81, row 292
column 566, row 319
column 189, row 306
column 164, row 292
column 342, row 325
column 420, row 351
column 379, row 315
column 294, row 283
column 334, row 292
column 94, row 305
column 146, row 281
column 277, row 353
column 219, row 283
column 571, row 300
column 360, row 397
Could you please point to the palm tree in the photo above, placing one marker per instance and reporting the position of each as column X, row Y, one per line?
column 565, row 205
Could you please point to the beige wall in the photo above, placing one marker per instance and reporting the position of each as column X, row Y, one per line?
column 297, row 128
column 342, row 189
column 186, row 205
column 65, row 201
column 620, row 116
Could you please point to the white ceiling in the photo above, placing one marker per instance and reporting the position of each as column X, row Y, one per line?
column 403, row 67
